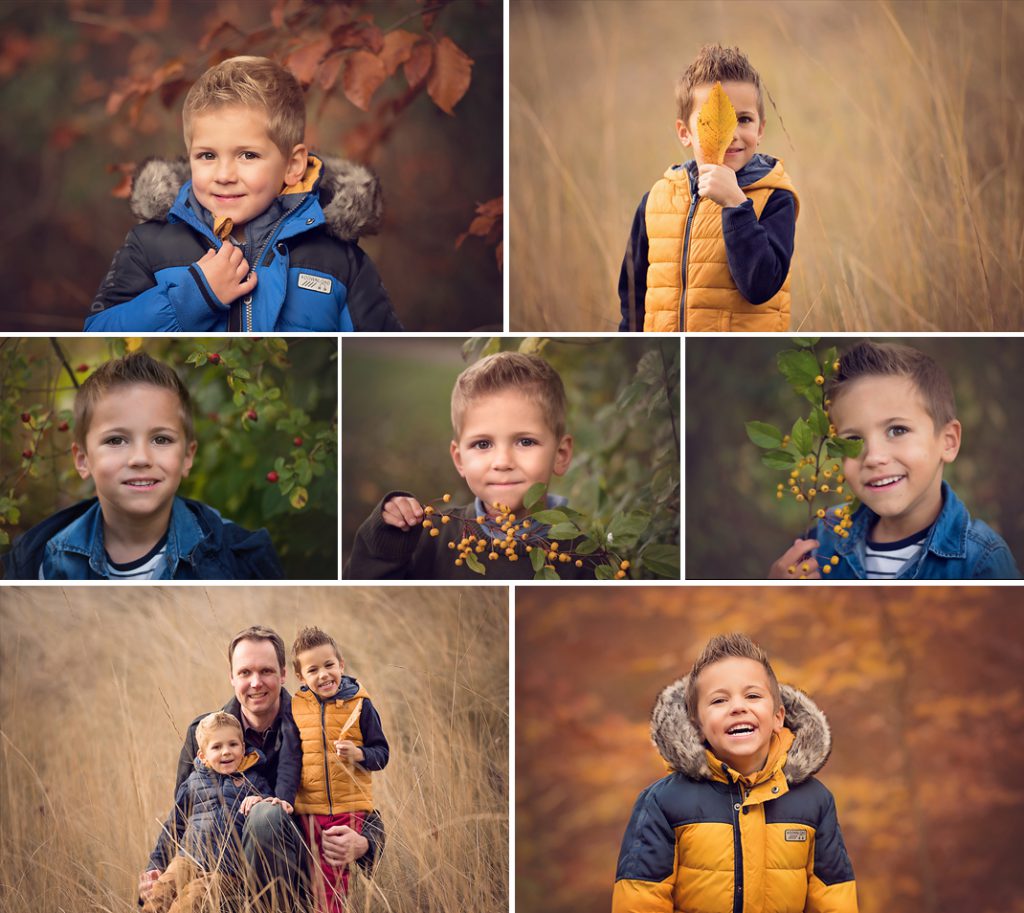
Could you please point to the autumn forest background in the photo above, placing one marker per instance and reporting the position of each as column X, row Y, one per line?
column 921, row 687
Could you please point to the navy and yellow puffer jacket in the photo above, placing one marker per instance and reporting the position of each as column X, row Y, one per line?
column 706, row 839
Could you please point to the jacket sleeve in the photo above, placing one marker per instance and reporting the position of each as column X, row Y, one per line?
column 172, row 830
column 646, row 873
column 759, row 252
column 997, row 564
column 830, row 884
column 633, row 274
column 289, row 761
column 376, row 751
column 369, row 305
column 380, row 551
column 131, row 299
column 256, row 555
column 373, row 831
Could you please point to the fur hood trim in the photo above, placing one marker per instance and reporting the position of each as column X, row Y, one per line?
column 350, row 194
column 683, row 749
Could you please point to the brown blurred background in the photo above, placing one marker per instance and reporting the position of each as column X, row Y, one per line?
column 61, row 61
column 901, row 125
column 921, row 686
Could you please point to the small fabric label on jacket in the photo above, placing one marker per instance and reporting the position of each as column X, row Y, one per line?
column 796, row 835
column 315, row 283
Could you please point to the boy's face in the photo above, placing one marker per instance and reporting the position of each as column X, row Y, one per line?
column 749, row 129
column 320, row 669
column 135, row 451
column 237, row 170
column 737, row 712
column 898, row 473
column 224, row 750
column 505, row 446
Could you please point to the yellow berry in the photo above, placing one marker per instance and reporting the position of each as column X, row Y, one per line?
column 579, row 563
column 427, row 524
column 513, row 557
column 780, row 486
column 799, row 497
column 619, row 575
column 458, row 562
column 795, row 489
column 839, row 489
column 827, row 569
column 827, row 473
column 451, row 545
column 778, row 495
column 824, row 486
column 794, row 473
column 493, row 556
column 805, row 567
column 552, row 555
column 821, row 513
column 791, row 569
column 835, row 365
column 834, row 559
column 446, row 497
column 840, row 478
column 526, row 524
column 428, row 510
column 624, row 566
column 564, row 557
column 811, row 492
column 480, row 519
column 529, row 549
column 819, row 380
column 435, row 532
column 554, row 546
column 512, row 517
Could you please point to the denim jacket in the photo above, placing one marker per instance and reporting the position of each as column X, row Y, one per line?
column 956, row 548
column 201, row 545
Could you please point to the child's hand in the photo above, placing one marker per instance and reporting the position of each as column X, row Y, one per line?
column 348, row 751
column 275, row 801
column 224, row 269
column 403, row 512
column 718, row 183
column 797, row 562
column 248, row 802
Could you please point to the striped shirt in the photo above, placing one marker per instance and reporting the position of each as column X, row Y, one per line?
column 886, row 560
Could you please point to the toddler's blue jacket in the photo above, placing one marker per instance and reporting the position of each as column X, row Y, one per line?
column 201, row 545
column 957, row 547
column 311, row 273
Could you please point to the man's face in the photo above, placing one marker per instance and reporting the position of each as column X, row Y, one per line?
column 505, row 446
column 737, row 712
column 224, row 750
column 749, row 130
column 136, row 451
column 898, row 473
column 320, row 669
column 237, row 170
column 257, row 679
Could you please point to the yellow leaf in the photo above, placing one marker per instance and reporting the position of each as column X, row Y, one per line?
column 132, row 343
column 299, row 498
column 223, row 226
column 716, row 125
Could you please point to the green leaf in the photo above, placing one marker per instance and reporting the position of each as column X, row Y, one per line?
column 662, row 560
column 802, row 438
column 538, row 558
column 274, row 393
column 299, row 498
column 829, row 359
column 546, row 573
column 805, row 342
column 587, row 547
column 563, row 531
column 845, row 447
column 5, row 538
column 630, row 395
column 778, row 459
column 605, row 572
column 534, row 496
column 625, row 529
column 818, row 422
column 763, row 434
column 473, row 563
column 553, row 516
column 238, row 398
column 242, row 374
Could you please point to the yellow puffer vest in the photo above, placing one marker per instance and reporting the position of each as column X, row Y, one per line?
column 710, row 300
column 330, row 785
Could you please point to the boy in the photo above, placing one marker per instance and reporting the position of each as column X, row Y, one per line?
column 342, row 741
column 206, row 821
column 910, row 524
column 711, row 245
column 741, row 823
column 292, row 220
column 133, row 436
column 508, row 421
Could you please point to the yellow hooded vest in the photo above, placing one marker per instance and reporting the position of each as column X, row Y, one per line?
column 330, row 785
column 709, row 301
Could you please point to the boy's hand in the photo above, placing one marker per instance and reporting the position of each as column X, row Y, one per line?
column 147, row 880
column 275, row 801
column 224, row 269
column 797, row 562
column 248, row 802
column 718, row 183
column 403, row 512
column 348, row 751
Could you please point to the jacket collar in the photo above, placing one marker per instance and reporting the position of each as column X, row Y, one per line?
column 348, row 689
column 759, row 166
column 253, row 757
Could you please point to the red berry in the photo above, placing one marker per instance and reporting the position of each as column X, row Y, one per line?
column 27, row 454
column 82, row 368
column 214, row 358
column 63, row 426
column 251, row 415
column 272, row 476
column 297, row 442
column 25, row 417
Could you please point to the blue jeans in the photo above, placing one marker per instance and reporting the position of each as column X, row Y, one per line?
column 276, row 854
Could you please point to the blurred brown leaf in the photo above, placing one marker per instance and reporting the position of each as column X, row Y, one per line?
column 450, row 77
column 303, row 61
column 397, row 49
column 364, row 74
column 418, row 64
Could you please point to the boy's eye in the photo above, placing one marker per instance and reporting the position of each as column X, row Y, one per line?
column 480, row 445
column 528, row 442
column 204, row 156
column 115, row 440
column 163, row 439
column 897, row 430
column 250, row 156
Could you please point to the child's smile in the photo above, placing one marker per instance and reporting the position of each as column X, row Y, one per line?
column 321, row 670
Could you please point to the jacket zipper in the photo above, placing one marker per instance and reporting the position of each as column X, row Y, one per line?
column 737, row 846
column 327, row 773
column 694, row 203
column 259, row 256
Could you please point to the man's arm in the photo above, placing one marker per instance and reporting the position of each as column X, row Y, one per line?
column 381, row 551
column 376, row 751
column 759, row 252
column 289, row 759
column 633, row 274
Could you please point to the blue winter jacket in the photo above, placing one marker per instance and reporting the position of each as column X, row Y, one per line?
column 311, row 273
column 206, row 821
column 201, row 545
column 957, row 547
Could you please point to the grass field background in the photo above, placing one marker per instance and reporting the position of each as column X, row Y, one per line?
column 98, row 686
column 901, row 125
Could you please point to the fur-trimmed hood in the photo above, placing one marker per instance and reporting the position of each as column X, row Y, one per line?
column 349, row 193
column 684, row 749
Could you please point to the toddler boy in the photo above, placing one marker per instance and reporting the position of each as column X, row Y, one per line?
column 741, row 822
column 711, row 245
column 255, row 234
column 342, row 742
column 133, row 436
column 910, row 525
column 508, row 425
column 206, row 821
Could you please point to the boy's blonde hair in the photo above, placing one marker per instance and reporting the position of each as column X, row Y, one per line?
column 134, row 368
column 887, row 359
column 309, row 638
column 728, row 646
column 716, row 64
column 252, row 82
column 216, row 720
column 529, row 375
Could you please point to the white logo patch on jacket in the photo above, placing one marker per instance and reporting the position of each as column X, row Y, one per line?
column 796, row 835
column 315, row 283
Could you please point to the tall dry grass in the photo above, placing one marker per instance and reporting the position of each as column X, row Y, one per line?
column 97, row 686
column 901, row 124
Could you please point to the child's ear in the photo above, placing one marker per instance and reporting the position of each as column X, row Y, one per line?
column 190, row 453
column 683, row 132
column 563, row 456
column 457, row 459
column 780, row 717
column 81, row 459
column 950, row 435
column 297, row 162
